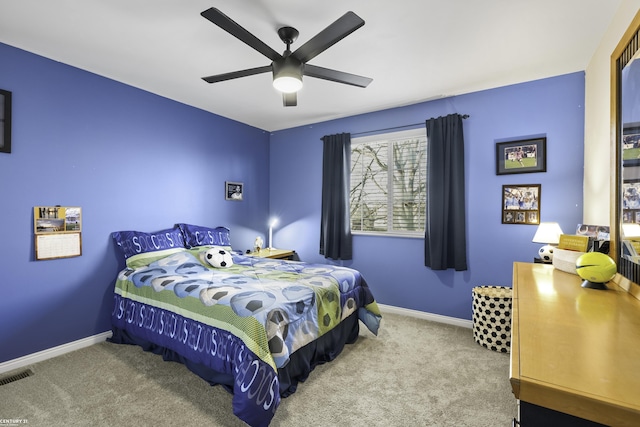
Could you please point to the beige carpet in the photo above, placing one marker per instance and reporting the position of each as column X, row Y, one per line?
column 415, row 373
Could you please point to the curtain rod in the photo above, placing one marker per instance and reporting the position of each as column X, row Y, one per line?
column 465, row 116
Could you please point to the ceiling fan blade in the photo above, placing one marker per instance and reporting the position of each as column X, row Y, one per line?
column 336, row 76
column 345, row 25
column 289, row 99
column 233, row 28
column 237, row 74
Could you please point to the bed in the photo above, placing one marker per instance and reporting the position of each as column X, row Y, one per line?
column 256, row 326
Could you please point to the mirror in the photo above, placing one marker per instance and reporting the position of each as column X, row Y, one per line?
column 625, row 89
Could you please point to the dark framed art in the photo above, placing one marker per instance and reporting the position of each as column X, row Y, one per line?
column 631, row 145
column 631, row 201
column 521, row 204
column 5, row 121
column 234, row 190
column 524, row 156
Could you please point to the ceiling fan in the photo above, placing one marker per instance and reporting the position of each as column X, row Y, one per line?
column 289, row 67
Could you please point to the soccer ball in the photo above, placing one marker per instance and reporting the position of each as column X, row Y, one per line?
column 345, row 277
column 277, row 327
column 546, row 253
column 214, row 295
column 348, row 308
column 190, row 268
column 190, row 287
column 238, row 280
column 319, row 281
column 161, row 283
column 595, row 267
column 218, row 257
column 144, row 276
column 330, row 302
column 250, row 303
column 300, row 297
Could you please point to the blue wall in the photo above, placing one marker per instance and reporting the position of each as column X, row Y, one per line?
column 394, row 267
column 134, row 160
column 130, row 160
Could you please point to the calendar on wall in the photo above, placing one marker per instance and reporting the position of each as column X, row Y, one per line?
column 58, row 231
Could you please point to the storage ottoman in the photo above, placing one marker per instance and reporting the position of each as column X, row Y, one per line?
column 492, row 317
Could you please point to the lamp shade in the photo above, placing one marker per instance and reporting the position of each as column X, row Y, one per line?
column 287, row 84
column 287, row 75
column 631, row 230
column 548, row 232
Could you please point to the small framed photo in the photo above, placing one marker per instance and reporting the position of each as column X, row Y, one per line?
column 233, row 190
column 525, row 156
column 521, row 204
column 630, row 197
column 631, row 145
column 5, row 121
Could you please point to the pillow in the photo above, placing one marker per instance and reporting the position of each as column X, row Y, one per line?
column 195, row 235
column 136, row 242
column 218, row 257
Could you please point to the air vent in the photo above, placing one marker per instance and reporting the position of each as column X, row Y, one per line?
column 16, row 377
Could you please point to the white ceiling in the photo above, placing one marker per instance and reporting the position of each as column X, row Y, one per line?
column 414, row 50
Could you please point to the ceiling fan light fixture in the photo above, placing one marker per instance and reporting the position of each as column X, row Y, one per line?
column 288, row 68
column 287, row 84
column 287, row 75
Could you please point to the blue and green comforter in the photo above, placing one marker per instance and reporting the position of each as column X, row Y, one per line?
column 245, row 320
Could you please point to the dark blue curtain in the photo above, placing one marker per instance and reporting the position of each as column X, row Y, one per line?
column 335, row 227
column 445, row 236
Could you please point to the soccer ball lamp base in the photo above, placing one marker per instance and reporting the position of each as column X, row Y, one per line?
column 545, row 254
column 587, row 284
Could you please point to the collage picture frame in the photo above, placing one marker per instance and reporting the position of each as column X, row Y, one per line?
column 521, row 204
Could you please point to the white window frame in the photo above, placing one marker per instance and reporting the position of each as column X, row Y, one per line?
column 390, row 137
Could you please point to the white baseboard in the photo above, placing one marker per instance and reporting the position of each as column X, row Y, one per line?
column 426, row 316
column 30, row 359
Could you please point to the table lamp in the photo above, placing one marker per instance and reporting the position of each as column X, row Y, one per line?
column 630, row 239
column 631, row 231
column 272, row 223
column 549, row 234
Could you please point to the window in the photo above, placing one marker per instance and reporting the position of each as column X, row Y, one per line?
column 388, row 183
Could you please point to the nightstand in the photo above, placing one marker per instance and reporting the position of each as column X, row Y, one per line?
column 274, row 253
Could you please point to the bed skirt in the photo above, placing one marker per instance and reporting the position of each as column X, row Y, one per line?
column 301, row 363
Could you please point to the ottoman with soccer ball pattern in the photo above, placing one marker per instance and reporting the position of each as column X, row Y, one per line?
column 492, row 317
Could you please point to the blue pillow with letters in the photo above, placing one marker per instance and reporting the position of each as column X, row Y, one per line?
column 196, row 235
column 135, row 243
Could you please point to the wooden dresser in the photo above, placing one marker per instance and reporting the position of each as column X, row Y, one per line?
column 575, row 352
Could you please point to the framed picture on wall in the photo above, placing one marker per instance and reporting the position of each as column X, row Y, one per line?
column 5, row 121
column 234, row 190
column 631, row 201
column 631, row 144
column 525, row 156
column 521, row 204
column 57, row 231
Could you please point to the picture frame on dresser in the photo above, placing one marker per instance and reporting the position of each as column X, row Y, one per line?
column 5, row 121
